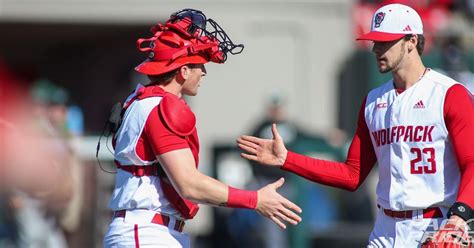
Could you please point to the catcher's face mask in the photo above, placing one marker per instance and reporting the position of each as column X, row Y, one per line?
column 198, row 26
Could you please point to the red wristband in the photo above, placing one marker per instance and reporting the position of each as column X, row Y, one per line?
column 238, row 198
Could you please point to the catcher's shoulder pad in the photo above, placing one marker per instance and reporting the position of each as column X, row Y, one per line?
column 177, row 115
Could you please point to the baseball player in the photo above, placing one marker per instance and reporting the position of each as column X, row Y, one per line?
column 156, row 145
column 418, row 127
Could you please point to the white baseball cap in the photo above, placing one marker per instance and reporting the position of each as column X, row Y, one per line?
column 392, row 22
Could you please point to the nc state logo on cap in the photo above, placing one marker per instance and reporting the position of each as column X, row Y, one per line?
column 379, row 18
column 398, row 20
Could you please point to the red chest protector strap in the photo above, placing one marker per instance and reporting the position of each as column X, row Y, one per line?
column 186, row 208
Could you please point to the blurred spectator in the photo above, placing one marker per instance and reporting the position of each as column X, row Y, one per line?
column 270, row 235
column 275, row 112
column 24, row 158
column 298, row 190
column 40, row 176
column 52, row 101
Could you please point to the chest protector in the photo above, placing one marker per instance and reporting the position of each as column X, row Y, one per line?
column 178, row 117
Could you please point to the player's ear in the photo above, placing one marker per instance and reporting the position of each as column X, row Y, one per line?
column 412, row 42
column 184, row 72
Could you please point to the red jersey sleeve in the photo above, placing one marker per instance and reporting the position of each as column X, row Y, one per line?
column 459, row 119
column 161, row 139
column 349, row 175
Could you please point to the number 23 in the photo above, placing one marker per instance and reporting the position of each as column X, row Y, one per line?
column 420, row 169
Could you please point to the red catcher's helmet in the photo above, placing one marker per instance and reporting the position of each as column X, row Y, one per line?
column 182, row 40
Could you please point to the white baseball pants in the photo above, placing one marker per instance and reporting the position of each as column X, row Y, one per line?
column 136, row 230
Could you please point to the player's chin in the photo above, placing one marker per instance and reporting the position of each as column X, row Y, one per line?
column 191, row 93
column 384, row 69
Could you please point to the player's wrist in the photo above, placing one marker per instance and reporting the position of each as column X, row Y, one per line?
column 238, row 198
column 461, row 210
column 282, row 158
column 289, row 157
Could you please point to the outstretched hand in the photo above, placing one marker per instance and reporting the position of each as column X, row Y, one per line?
column 276, row 207
column 266, row 151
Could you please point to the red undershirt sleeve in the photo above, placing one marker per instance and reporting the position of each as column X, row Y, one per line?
column 161, row 139
column 459, row 119
column 349, row 175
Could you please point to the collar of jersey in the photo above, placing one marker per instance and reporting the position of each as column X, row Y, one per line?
column 150, row 91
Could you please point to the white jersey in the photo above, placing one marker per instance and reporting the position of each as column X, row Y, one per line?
column 417, row 165
column 133, row 192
